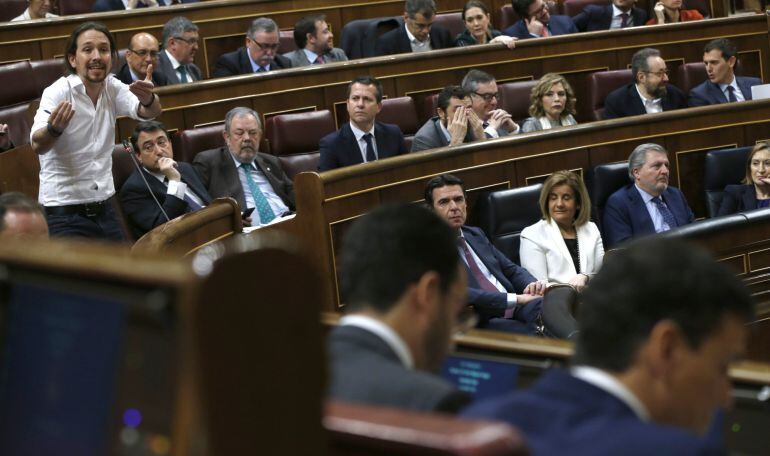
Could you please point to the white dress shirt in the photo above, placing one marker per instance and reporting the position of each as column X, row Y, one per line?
column 175, row 63
column 736, row 90
column 78, row 168
column 259, row 178
column 617, row 20
column 26, row 17
column 177, row 188
column 612, row 386
column 657, row 219
column 384, row 332
column 651, row 106
column 359, row 134
column 417, row 45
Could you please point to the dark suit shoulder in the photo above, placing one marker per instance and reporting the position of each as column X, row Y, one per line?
column 281, row 62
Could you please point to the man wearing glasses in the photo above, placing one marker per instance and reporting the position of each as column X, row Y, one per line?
column 649, row 93
column 180, row 43
column 484, row 99
column 536, row 21
column 143, row 49
column 417, row 33
column 259, row 55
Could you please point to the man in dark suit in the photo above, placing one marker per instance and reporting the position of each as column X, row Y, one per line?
column 143, row 50
column 240, row 171
column 117, row 5
column 162, row 189
column 647, row 206
column 455, row 124
column 417, row 33
column 361, row 140
column 404, row 294
column 260, row 54
column 485, row 96
column 649, row 93
column 659, row 325
column 504, row 295
column 180, row 43
column 315, row 43
column 537, row 22
column 620, row 14
column 723, row 85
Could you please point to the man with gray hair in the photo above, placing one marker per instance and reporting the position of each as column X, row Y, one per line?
column 648, row 205
column 417, row 33
column 180, row 43
column 260, row 54
column 649, row 93
column 21, row 216
column 240, row 171
column 485, row 97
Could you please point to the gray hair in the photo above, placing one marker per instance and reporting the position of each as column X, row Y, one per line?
column 425, row 7
column 261, row 24
column 176, row 27
column 240, row 112
column 639, row 60
column 639, row 156
column 474, row 77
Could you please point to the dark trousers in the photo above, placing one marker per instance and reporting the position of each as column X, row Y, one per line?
column 525, row 319
column 105, row 225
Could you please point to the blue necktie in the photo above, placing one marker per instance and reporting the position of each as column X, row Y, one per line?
column 731, row 94
column 668, row 217
column 264, row 210
column 370, row 156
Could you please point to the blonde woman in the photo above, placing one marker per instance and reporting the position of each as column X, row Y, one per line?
column 553, row 104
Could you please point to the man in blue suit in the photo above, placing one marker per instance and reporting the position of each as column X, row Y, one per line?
column 619, row 14
column 647, row 206
column 659, row 325
column 505, row 296
column 723, row 85
column 363, row 139
column 537, row 22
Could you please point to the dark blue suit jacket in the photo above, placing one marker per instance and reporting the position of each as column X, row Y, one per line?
column 513, row 277
column 562, row 414
column 738, row 198
column 597, row 17
column 625, row 101
column 341, row 149
column 396, row 41
column 626, row 217
column 237, row 62
column 709, row 93
column 141, row 210
column 117, row 5
column 558, row 25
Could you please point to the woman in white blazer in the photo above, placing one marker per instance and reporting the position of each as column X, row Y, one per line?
column 564, row 247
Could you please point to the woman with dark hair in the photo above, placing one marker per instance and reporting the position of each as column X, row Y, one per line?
column 670, row 11
column 553, row 104
column 477, row 29
column 754, row 193
column 565, row 246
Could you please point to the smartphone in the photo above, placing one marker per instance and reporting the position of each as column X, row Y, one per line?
column 247, row 213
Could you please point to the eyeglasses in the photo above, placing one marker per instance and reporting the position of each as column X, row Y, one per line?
column 539, row 10
column 190, row 41
column 488, row 96
column 659, row 74
column 149, row 146
column 266, row 46
column 143, row 53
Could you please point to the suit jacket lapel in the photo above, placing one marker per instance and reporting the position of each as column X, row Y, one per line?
column 556, row 238
column 749, row 198
column 193, row 183
column 640, row 209
column 486, row 257
column 230, row 173
column 440, row 133
column 743, row 84
column 607, row 17
column 716, row 92
column 168, row 68
column 638, row 105
column 351, row 145
column 265, row 168
column 403, row 40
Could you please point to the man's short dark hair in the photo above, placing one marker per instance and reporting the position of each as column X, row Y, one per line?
column 391, row 248
column 475, row 77
column 303, row 27
column 17, row 202
column 425, row 7
column 72, row 42
column 367, row 80
column 145, row 126
column 639, row 61
column 725, row 46
column 654, row 279
column 442, row 180
column 449, row 92
column 521, row 7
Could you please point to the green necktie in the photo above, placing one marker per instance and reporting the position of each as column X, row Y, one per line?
column 264, row 210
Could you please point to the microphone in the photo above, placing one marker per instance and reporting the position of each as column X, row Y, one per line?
column 129, row 148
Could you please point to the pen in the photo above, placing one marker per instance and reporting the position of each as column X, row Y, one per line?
column 46, row 111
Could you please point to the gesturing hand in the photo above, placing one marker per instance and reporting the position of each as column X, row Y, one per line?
column 457, row 127
column 534, row 26
column 143, row 88
column 60, row 117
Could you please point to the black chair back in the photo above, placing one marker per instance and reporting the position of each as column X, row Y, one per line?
column 723, row 167
column 503, row 214
column 607, row 179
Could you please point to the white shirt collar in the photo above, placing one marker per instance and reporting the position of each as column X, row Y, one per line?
column 358, row 133
column 617, row 11
column 412, row 38
column 646, row 197
column 384, row 332
column 239, row 163
column 311, row 56
column 174, row 62
column 734, row 83
column 645, row 101
column 612, row 386
column 444, row 130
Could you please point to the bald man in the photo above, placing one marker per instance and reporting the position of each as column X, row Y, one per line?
column 21, row 216
column 142, row 50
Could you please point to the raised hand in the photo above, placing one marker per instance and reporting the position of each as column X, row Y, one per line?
column 534, row 26
column 143, row 88
column 168, row 166
column 476, row 124
column 61, row 117
column 457, row 126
